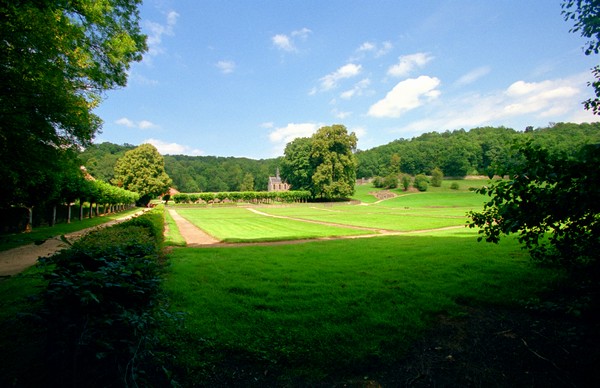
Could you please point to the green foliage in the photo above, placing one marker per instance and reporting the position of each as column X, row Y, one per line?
column 585, row 14
column 142, row 170
column 57, row 58
column 552, row 202
column 421, row 182
column 296, row 166
column 244, row 196
column 436, row 177
column 454, row 186
column 101, row 303
column 405, row 182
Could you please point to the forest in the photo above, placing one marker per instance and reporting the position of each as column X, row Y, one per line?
column 479, row 151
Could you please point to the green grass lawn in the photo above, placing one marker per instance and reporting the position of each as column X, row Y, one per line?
column 235, row 224
column 313, row 312
column 172, row 235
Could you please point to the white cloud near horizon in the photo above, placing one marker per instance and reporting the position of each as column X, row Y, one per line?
column 288, row 42
column 407, row 63
column 279, row 137
column 406, row 95
column 549, row 100
column 143, row 124
column 165, row 148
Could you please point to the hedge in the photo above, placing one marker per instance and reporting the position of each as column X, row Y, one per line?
column 102, row 302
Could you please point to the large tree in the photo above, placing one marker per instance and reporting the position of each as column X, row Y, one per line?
column 56, row 59
column 332, row 155
column 296, row 167
column 142, row 170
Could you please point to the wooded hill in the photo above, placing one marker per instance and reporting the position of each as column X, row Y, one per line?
column 479, row 151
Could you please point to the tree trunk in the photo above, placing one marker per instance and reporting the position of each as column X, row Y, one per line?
column 53, row 221
column 29, row 226
column 69, row 213
column 80, row 210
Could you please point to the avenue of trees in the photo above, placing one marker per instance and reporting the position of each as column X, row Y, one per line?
column 56, row 60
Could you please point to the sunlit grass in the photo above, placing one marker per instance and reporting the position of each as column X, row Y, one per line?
column 172, row 235
column 242, row 225
column 338, row 307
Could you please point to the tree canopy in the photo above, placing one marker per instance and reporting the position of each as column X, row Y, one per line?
column 585, row 14
column 56, row 59
column 323, row 164
column 551, row 201
column 142, row 170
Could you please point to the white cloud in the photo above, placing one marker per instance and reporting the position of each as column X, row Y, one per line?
column 156, row 31
column 283, row 135
column 520, row 104
column 473, row 76
column 340, row 114
column 408, row 63
column 143, row 124
column 375, row 49
column 287, row 43
column 124, row 121
column 357, row 90
column 331, row 80
column 165, row 148
column 226, row 67
column 406, row 95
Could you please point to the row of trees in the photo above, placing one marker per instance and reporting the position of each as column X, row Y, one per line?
column 57, row 58
column 481, row 151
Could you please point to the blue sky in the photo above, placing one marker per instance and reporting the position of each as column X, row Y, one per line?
column 243, row 78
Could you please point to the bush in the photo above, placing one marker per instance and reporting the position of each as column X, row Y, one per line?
column 391, row 181
column 378, row 182
column 421, row 182
column 436, row 177
column 454, row 186
column 405, row 182
column 101, row 303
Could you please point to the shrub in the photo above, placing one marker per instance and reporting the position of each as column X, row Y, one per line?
column 454, row 186
column 101, row 303
column 405, row 182
column 421, row 182
column 391, row 181
column 378, row 182
column 436, row 177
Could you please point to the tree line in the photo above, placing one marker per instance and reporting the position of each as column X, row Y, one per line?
column 479, row 151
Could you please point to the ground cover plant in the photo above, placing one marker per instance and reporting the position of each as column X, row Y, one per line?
column 323, row 311
column 233, row 224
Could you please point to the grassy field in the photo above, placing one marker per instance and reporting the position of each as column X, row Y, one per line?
column 330, row 311
column 320, row 311
column 233, row 224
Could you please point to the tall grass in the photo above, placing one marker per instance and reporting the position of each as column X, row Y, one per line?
column 314, row 311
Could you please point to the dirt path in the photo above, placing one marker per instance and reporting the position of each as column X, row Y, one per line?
column 192, row 235
column 14, row 261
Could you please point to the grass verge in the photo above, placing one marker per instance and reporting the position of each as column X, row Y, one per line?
column 13, row 240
